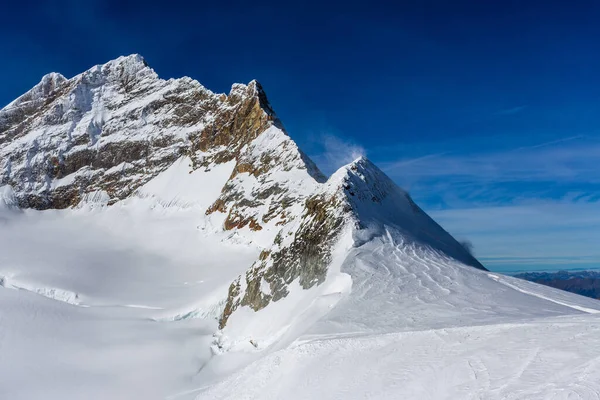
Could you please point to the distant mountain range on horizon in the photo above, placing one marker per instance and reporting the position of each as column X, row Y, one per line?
column 585, row 283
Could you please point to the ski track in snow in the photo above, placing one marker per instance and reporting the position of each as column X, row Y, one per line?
column 576, row 307
column 502, row 361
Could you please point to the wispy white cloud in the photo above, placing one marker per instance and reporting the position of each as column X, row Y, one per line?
column 511, row 111
column 550, row 143
column 399, row 164
column 576, row 162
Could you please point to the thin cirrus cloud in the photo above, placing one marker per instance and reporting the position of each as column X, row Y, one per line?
column 551, row 143
column 511, row 111
column 574, row 162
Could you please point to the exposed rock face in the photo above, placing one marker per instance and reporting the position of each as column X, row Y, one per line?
column 271, row 175
column 110, row 130
column 117, row 125
column 302, row 254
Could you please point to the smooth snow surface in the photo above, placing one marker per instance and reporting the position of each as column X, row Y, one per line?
column 88, row 300
column 182, row 186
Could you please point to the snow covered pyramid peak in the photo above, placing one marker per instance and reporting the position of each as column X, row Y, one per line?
column 357, row 204
column 378, row 203
column 364, row 181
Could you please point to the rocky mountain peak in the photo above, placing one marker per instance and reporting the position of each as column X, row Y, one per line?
column 253, row 90
column 117, row 125
column 123, row 65
column 125, row 71
column 134, row 61
column 28, row 103
column 363, row 179
column 48, row 85
column 241, row 90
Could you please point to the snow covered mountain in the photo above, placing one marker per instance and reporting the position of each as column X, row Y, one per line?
column 164, row 241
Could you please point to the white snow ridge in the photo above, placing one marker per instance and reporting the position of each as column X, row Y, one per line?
column 160, row 241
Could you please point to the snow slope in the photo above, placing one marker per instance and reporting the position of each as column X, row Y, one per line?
column 109, row 303
column 548, row 358
column 419, row 325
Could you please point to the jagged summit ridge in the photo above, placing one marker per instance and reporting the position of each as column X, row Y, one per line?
column 117, row 125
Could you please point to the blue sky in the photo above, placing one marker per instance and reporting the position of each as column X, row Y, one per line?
column 487, row 112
